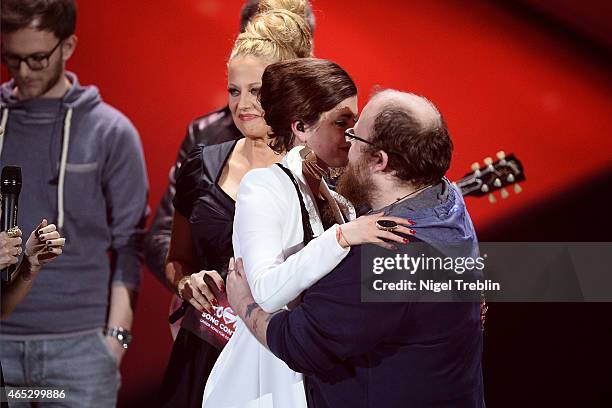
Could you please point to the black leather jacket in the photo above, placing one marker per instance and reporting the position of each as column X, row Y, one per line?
column 212, row 128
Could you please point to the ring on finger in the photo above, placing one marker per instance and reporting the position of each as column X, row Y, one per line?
column 12, row 232
column 386, row 225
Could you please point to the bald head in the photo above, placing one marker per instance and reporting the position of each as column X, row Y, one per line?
column 411, row 130
column 420, row 108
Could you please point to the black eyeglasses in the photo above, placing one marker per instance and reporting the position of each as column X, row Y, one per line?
column 350, row 135
column 35, row 62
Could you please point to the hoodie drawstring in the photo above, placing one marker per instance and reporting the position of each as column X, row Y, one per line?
column 63, row 161
column 62, row 170
column 3, row 127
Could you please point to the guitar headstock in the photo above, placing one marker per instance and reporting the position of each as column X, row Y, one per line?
column 493, row 176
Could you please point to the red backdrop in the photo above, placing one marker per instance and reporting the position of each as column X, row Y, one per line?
column 501, row 81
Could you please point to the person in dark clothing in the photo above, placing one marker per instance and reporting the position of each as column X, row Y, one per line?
column 213, row 128
column 360, row 354
column 206, row 186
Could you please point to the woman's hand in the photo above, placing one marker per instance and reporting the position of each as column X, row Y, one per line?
column 44, row 245
column 239, row 293
column 363, row 230
column 10, row 248
column 196, row 291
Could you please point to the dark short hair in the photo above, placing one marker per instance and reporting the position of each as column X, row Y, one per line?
column 419, row 154
column 250, row 7
column 56, row 16
column 300, row 90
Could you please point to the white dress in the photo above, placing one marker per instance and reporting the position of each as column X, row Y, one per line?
column 268, row 236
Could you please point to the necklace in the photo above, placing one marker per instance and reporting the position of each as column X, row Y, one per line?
column 404, row 197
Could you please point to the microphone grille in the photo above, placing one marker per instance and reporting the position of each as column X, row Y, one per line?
column 11, row 180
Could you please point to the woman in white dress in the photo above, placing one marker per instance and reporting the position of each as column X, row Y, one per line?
column 308, row 104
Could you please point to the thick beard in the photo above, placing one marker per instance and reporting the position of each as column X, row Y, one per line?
column 356, row 187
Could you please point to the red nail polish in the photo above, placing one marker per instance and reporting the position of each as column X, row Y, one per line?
column 410, row 222
column 412, row 231
column 406, row 240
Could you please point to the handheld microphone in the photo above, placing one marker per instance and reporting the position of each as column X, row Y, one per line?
column 10, row 188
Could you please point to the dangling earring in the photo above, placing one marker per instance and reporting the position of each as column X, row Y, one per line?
column 308, row 155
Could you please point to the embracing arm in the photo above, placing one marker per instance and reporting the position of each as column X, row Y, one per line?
column 266, row 207
column 263, row 211
column 329, row 326
column 242, row 302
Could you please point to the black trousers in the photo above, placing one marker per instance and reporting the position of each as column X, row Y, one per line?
column 191, row 361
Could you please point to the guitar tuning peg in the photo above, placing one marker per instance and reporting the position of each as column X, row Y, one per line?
column 484, row 188
column 517, row 188
column 504, row 193
column 492, row 199
column 497, row 183
column 510, row 178
column 488, row 161
column 476, row 169
column 501, row 155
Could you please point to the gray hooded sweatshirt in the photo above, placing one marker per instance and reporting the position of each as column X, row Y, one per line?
column 83, row 169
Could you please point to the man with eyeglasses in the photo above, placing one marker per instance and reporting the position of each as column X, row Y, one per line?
column 392, row 351
column 83, row 169
column 27, row 86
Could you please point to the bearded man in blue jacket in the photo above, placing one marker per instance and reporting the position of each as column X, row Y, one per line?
column 384, row 354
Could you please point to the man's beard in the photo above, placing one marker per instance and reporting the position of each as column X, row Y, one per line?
column 356, row 186
column 53, row 76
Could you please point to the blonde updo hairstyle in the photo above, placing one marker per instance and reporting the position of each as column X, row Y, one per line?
column 278, row 32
